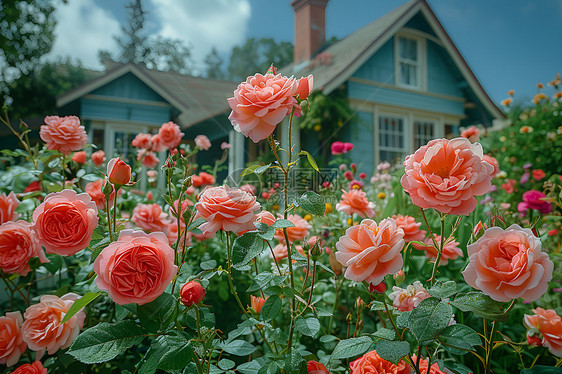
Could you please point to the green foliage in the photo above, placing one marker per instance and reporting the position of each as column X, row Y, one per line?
column 256, row 56
column 352, row 347
column 247, row 247
column 158, row 314
column 392, row 351
column 312, row 203
column 479, row 304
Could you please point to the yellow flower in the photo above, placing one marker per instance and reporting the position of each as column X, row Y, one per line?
column 349, row 222
column 308, row 217
column 356, row 187
column 329, row 208
column 317, row 127
column 381, row 195
column 538, row 97
column 558, row 95
column 275, row 207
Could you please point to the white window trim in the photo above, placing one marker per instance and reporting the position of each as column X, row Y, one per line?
column 422, row 55
column 407, row 130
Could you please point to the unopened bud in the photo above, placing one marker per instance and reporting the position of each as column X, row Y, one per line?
column 192, row 293
column 534, row 341
column 379, row 288
column 399, row 277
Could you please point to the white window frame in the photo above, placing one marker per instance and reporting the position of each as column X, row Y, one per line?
column 421, row 64
column 406, row 130
column 436, row 123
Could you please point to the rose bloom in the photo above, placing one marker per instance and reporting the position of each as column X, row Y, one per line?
column 315, row 367
column 549, row 325
column 298, row 232
column 408, row 298
column 372, row 363
column 446, row 175
column 35, row 368
column 42, row 329
column 203, row 179
column 94, row 189
column 118, row 172
column 12, row 345
column 304, row 88
column 150, row 217
column 533, row 200
column 280, row 251
column 169, row 135
column 261, row 103
column 18, row 244
column 257, row 303
column 355, row 201
column 508, row 187
column 225, row 145
column 202, row 142
column 471, row 133
column 142, row 141
column 265, row 217
column 371, row 251
column 157, row 145
column 249, row 188
column 185, row 204
column 65, row 222
column 63, row 134
column 411, row 228
column 33, row 186
column 8, row 205
column 508, row 264
column 80, row 157
column 98, row 158
column 338, row 148
column 172, row 234
column 424, row 364
column 538, row 174
column 492, row 161
column 136, row 268
column 148, row 159
column 451, row 249
column 192, row 293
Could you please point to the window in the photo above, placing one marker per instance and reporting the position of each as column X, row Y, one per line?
column 409, row 62
column 392, row 142
column 424, row 131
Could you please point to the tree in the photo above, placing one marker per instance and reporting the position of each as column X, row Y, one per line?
column 213, row 63
column 257, row 55
column 26, row 34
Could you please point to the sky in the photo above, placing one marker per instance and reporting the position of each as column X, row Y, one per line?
column 509, row 44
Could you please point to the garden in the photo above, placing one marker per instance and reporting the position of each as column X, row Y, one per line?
column 447, row 262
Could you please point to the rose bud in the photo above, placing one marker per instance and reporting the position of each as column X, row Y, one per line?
column 80, row 157
column 534, row 340
column 192, row 293
column 304, row 87
column 118, row 171
column 379, row 288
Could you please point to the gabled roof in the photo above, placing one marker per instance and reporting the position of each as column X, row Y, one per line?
column 346, row 56
column 197, row 99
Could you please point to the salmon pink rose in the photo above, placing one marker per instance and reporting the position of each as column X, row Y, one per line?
column 228, row 209
column 157, row 145
column 150, row 217
column 261, row 103
column 142, row 141
column 265, row 217
column 305, row 87
column 80, row 157
column 411, row 228
column 42, row 329
column 118, row 172
column 471, row 133
column 257, row 303
column 434, row 369
column 18, row 244
column 98, row 158
column 148, row 159
column 407, row 299
column 8, row 205
column 508, row 264
column 35, row 368
column 94, row 189
column 315, row 367
column 64, row 134
column 371, row 251
column 203, row 179
column 280, row 251
column 65, row 222
column 355, row 201
column 136, row 268
column 446, row 175
column 372, row 363
column 492, row 161
column 451, row 249
column 12, row 345
column 548, row 324
column 202, row 142
column 295, row 233
column 169, row 135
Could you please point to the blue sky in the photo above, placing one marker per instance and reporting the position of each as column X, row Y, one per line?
column 508, row 44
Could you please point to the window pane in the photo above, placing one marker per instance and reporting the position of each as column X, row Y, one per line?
column 408, row 49
column 97, row 138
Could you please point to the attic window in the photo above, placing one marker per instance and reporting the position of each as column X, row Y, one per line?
column 409, row 62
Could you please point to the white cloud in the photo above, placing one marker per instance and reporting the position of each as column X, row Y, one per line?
column 83, row 28
column 204, row 24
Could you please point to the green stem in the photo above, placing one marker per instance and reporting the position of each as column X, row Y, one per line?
column 439, row 250
column 107, row 212
column 489, row 345
column 116, row 188
column 229, row 277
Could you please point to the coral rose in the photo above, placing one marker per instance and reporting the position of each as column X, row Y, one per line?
column 372, row 363
column 355, row 201
column 157, row 145
column 12, row 345
column 98, row 157
column 8, row 205
column 35, row 368
column 408, row 298
column 228, row 209
column 18, row 245
column 169, row 135
column 257, row 303
column 150, row 217
column 136, row 268
column 261, row 103
column 65, row 222
column 203, row 179
column 64, row 134
column 94, row 189
column 297, row 232
column 42, row 329
column 315, row 367
column 265, row 217
column 411, row 228
column 305, row 86
column 446, row 175
column 202, row 142
column 492, row 161
column 538, row 174
column 451, row 249
column 549, row 325
column 508, row 264
column 118, row 172
column 280, row 251
column 434, row 369
column 148, row 159
column 371, row 251
column 471, row 133
column 533, row 199
column 192, row 293
column 142, row 141
column 80, row 157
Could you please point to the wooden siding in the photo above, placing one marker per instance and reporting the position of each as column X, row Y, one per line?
column 380, row 67
column 119, row 111
column 442, row 76
column 361, row 133
column 130, row 87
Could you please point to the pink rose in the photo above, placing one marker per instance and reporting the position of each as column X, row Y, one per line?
column 148, row 159
column 18, row 245
column 142, row 141
column 261, row 103
column 42, row 329
column 228, row 209
column 12, row 345
column 298, row 232
column 471, row 133
column 508, row 264
column 35, row 368
column 450, row 249
column 411, row 228
column 65, row 222
column 150, row 217
column 169, row 135
column 305, row 87
column 446, row 175
column 538, row 174
column 337, row 148
column 533, row 199
column 249, row 188
column 136, row 268
column 548, row 324
column 202, row 142
column 203, row 179
column 492, row 161
column 157, row 145
column 79, row 157
column 118, row 172
column 8, row 205
column 372, row 363
column 94, row 189
column 98, row 157
column 355, row 201
column 63, row 134
column 225, row 145
column 371, row 251
column 407, row 299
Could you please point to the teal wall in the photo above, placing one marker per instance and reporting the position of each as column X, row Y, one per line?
column 360, row 132
column 380, row 67
column 130, row 87
column 111, row 110
column 442, row 75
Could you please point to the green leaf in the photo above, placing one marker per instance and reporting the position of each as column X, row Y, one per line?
column 428, row 319
column 307, row 326
column 402, row 321
column 351, row 347
column 196, row 223
column 392, row 351
column 282, row 223
column 260, row 281
column 249, row 170
column 262, row 169
column 443, row 290
column 79, row 304
column 55, row 263
column 239, row 348
column 252, row 367
column 312, row 203
column 105, row 341
column 208, row 265
column 294, row 363
column 226, row 364
column 541, row 369
column 383, row 333
column 377, row 305
column 311, row 160
column 271, row 308
column 178, row 351
column 159, row 313
column 247, row 247
column 460, row 336
column 481, row 305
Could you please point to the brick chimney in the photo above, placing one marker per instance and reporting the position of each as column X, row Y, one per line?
column 310, row 28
